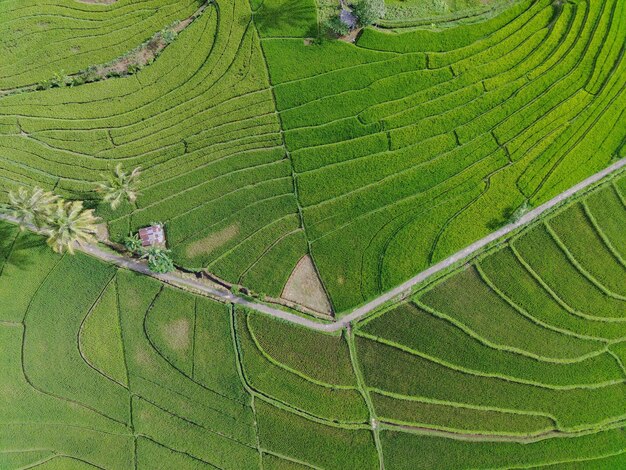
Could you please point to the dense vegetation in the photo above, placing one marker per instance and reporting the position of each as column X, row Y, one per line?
column 514, row 361
column 378, row 158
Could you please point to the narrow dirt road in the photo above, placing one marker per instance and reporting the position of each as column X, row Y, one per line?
column 402, row 289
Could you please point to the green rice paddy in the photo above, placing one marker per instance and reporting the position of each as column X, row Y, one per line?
column 261, row 142
column 499, row 364
column 378, row 158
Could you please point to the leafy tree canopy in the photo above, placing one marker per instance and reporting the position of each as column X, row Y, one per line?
column 369, row 11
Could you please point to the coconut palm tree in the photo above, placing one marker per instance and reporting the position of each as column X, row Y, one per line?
column 68, row 224
column 120, row 186
column 31, row 206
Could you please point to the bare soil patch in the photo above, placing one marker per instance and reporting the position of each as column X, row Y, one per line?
column 102, row 232
column 206, row 245
column 143, row 357
column 177, row 334
column 351, row 36
column 304, row 287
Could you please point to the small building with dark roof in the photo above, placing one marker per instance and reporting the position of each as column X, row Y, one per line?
column 152, row 236
column 348, row 18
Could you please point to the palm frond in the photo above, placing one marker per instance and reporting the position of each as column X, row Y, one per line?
column 31, row 206
column 70, row 224
column 119, row 186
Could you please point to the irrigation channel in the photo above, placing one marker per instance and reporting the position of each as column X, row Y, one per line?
column 399, row 291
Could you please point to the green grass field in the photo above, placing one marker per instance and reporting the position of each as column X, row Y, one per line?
column 378, row 158
column 498, row 364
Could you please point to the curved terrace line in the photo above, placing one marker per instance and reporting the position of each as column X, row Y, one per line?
column 398, row 292
column 142, row 55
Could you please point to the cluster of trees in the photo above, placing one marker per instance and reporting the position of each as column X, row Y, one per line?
column 366, row 12
column 63, row 222
column 159, row 260
column 67, row 223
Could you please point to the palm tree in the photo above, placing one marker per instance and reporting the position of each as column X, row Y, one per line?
column 119, row 186
column 31, row 206
column 68, row 224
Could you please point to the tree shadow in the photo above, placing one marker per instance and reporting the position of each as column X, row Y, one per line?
column 7, row 237
column 19, row 249
column 286, row 16
column 502, row 220
column 90, row 198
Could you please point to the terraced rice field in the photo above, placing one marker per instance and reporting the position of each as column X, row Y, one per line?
column 413, row 145
column 516, row 360
column 402, row 14
column 257, row 147
column 201, row 123
column 40, row 40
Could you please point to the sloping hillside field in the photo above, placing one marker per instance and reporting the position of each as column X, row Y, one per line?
column 413, row 145
column 258, row 147
column 514, row 361
column 41, row 39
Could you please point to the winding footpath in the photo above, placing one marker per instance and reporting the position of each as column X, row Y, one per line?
column 398, row 292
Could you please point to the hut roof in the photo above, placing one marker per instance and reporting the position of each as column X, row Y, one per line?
column 348, row 18
column 153, row 235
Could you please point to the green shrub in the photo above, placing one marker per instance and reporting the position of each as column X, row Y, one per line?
column 133, row 243
column 159, row 260
column 335, row 26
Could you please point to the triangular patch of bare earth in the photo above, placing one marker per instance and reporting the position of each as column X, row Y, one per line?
column 305, row 288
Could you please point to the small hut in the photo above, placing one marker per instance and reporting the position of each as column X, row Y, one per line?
column 348, row 18
column 153, row 235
